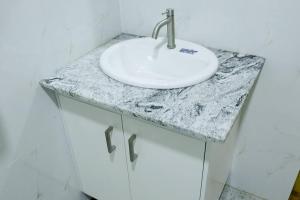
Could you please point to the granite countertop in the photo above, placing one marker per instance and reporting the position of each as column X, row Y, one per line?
column 204, row 111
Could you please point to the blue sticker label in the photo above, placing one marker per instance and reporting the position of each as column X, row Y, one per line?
column 188, row 51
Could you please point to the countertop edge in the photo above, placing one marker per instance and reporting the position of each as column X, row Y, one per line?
column 178, row 129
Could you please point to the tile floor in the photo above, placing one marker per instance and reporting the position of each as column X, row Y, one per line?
column 230, row 193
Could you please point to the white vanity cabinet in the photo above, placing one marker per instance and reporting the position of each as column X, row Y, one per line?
column 103, row 174
column 122, row 158
column 168, row 166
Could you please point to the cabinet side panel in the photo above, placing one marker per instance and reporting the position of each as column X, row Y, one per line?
column 168, row 167
column 103, row 174
column 217, row 165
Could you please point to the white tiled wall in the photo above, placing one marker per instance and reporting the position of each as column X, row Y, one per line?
column 36, row 38
column 42, row 167
column 268, row 155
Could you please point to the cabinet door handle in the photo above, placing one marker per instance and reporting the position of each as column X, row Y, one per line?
column 132, row 155
column 110, row 147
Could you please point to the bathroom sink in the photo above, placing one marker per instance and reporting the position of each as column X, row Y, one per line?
column 148, row 63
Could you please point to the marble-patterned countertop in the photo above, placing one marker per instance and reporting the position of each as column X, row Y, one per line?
column 204, row 111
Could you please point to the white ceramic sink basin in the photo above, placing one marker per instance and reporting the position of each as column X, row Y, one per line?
column 148, row 63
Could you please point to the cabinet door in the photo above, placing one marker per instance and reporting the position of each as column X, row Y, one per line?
column 104, row 175
column 168, row 166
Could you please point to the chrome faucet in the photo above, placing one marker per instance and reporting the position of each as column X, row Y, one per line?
column 169, row 21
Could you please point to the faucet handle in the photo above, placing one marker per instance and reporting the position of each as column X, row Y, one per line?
column 168, row 12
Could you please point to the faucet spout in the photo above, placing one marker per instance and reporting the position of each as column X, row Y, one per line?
column 169, row 21
column 158, row 26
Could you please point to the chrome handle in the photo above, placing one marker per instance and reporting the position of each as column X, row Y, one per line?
column 132, row 155
column 169, row 12
column 110, row 147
